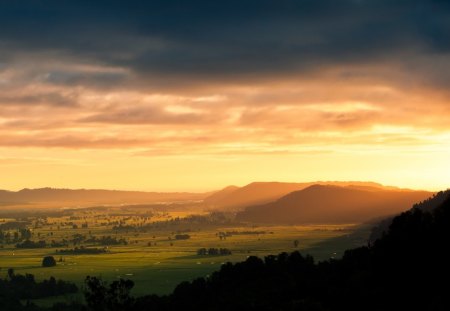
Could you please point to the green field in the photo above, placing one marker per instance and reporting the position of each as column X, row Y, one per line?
column 160, row 267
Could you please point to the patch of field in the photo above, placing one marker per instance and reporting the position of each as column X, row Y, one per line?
column 336, row 246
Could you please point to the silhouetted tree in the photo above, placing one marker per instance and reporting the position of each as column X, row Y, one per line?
column 115, row 297
column 11, row 273
column 48, row 261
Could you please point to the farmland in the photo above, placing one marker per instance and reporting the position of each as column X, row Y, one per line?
column 157, row 249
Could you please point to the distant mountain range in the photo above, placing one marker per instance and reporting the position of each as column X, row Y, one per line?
column 333, row 204
column 256, row 193
column 54, row 196
column 229, row 197
column 258, row 202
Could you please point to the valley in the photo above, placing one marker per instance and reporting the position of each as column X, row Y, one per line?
column 145, row 248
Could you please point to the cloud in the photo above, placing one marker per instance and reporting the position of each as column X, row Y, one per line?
column 67, row 141
column 51, row 99
column 167, row 41
column 148, row 115
column 105, row 74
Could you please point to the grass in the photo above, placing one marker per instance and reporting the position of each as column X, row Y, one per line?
column 159, row 268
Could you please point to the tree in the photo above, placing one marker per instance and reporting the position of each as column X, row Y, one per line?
column 95, row 293
column 182, row 236
column 213, row 251
column 48, row 261
column 11, row 273
column 99, row 296
column 202, row 251
column 25, row 234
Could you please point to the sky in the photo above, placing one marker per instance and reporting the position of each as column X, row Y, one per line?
column 196, row 95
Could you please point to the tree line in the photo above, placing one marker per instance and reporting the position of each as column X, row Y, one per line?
column 213, row 251
column 18, row 286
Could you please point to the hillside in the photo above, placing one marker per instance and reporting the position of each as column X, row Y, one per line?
column 333, row 204
column 264, row 192
column 52, row 196
column 427, row 205
column 221, row 195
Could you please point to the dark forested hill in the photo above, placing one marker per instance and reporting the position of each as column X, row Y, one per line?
column 433, row 202
column 333, row 204
column 426, row 205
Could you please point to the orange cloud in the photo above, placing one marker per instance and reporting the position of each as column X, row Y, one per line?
column 335, row 123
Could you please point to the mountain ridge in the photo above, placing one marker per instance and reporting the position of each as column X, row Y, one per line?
column 256, row 193
column 332, row 204
column 92, row 196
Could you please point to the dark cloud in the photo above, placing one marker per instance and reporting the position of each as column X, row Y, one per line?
column 173, row 39
column 100, row 79
column 46, row 99
column 67, row 141
column 147, row 115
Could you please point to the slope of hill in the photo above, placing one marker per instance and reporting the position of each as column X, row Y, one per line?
column 254, row 193
column 332, row 204
column 53, row 196
column 218, row 196
column 264, row 192
column 433, row 202
column 429, row 204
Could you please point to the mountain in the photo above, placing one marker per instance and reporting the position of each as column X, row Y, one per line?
column 264, row 192
column 254, row 193
column 221, row 195
column 52, row 196
column 427, row 205
column 333, row 204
